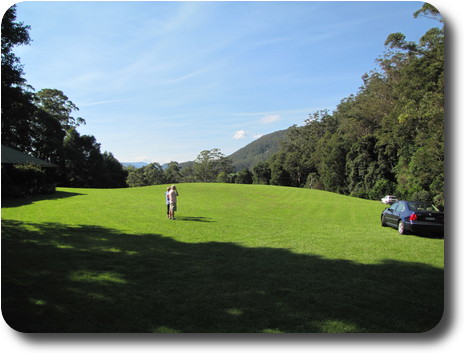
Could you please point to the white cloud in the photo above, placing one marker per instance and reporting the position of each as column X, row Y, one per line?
column 240, row 134
column 270, row 119
column 257, row 136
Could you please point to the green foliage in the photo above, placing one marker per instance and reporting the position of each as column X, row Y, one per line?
column 279, row 176
column 313, row 182
column 151, row 174
column 17, row 101
column 261, row 173
column 55, row 103
column 82, row 158
column 26, row 180
column 172, row 173
column 114, row 175
column 209, row 163
column 222, row 178
column 381, row 188
column 428, row 10
column 188, row 174
column 244, row 177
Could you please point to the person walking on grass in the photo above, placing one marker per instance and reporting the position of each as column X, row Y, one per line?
column 167, row 201
column 172, row 194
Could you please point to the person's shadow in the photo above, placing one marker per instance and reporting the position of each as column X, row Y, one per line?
column 194, row 219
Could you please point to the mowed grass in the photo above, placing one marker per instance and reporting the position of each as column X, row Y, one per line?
column 239, row 258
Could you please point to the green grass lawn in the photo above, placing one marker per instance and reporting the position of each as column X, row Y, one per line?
column 239, row 258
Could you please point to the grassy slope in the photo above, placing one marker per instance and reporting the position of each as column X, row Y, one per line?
column 240, row 258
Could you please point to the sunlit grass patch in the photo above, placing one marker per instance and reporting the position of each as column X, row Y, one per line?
column 86, row 276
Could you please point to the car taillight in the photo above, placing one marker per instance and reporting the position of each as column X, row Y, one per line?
column 413, row 217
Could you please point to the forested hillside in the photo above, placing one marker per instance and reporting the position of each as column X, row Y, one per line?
column 388, row 138
column 257, row 151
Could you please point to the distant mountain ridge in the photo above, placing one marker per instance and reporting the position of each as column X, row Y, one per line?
column 258, row 151
column 253, row 153
column 134, row 164
column 244, row 158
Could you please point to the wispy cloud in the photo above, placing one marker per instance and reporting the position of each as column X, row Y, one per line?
column 240, row 134
column 105, row 102
column 186, row 15
column 270, row 119
column 185, row 77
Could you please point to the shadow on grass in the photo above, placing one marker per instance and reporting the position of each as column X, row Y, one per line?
column 193, row 219
column 22, row 201
column 57, row 278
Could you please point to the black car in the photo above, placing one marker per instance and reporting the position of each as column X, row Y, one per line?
column 414, row 217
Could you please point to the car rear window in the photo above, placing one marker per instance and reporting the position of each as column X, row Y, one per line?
column 421, row 206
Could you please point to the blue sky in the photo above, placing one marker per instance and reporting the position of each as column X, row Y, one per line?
column 162, row 81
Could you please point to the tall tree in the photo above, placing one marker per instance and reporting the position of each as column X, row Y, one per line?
column 261, row 173
column 209, row 163
column 83, row 160
column 18, row 110
column 114, row 175
column 58, row 105
column 151, row 174
column 172, row 173
column 244, row 177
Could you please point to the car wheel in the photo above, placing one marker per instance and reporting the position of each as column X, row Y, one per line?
column 401, row 228
column 384, row 224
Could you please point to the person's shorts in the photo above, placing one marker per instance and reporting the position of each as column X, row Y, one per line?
column 173, row 206
column 168, row 206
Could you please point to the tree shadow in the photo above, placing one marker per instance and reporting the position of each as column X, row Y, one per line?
column 58, row 278
column 17, row 202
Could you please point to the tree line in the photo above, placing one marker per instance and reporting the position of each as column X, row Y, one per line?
column 42, row 124
column 209, row 166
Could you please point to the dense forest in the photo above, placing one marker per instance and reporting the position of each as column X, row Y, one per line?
column 387, row 138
